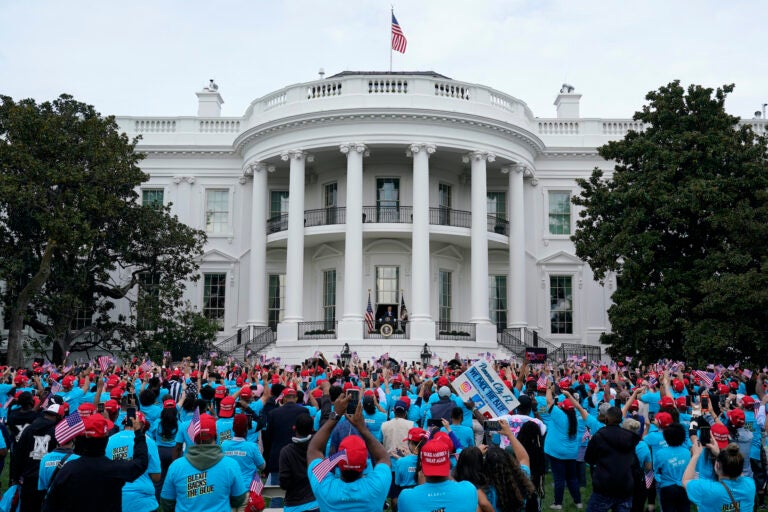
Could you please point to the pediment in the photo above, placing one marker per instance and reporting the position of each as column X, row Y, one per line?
column 326, row 251
column 561, row 258
column 451, row 252
column 215, row 255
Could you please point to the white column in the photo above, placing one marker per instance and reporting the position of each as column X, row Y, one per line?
column 516, row 286
column 294, row 264
column 479, row 243
column 422, row 326
column 351, row 324
column 257, row 285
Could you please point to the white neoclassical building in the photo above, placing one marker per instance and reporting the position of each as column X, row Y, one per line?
column 447, row 197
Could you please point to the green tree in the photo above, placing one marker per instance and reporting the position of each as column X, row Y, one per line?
column 73, row 237
column 683, row 221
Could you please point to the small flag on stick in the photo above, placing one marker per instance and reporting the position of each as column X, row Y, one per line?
column 326, row 466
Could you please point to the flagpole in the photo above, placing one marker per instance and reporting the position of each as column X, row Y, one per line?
column 392, row 13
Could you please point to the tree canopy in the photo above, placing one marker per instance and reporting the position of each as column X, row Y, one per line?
column 74, row 237
column 683, row 222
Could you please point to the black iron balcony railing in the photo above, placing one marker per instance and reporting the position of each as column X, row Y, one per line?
column 454, row 331
column 325, row 216
column 499, row 225
column 322, row 330
column 277, row 223
column 442, row 216
column 388, row 214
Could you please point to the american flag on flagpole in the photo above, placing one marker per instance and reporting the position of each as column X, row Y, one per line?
column 256, row 484
column 194, row 426
column 399, row 41
column 369, row 314
column 104, row 362
column 326, row 466
column 69, row 427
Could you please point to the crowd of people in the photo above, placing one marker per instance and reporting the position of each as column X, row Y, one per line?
column 367, row 436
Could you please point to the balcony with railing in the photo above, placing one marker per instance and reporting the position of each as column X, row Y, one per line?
column 322, row 330
column 498, row 225
column 325, row 216
column 461, row 331
column 400, row 331
column 449, row 217
column 388, row 214
column 277, row 223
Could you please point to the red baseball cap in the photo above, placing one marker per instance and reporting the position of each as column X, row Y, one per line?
column 435, row 458
column 317, row 392
column 664, row 419
column 416, row 434
column 720, row 435
column 207, row 428
column 111, row 406
column 678, row 385
column 722, row 389
column 405, row 399
column 357, row 453
column 97, row 426
column 86, row 410
column 68, row 381
column 681, row 403
column 442, row 381
column 564, row 383
column 747, row 401
column 245, row 392
column 667, row 401
column 169, row 404
column 566, row 404
column 736, row 417
column 116, row 393
column 227, row 407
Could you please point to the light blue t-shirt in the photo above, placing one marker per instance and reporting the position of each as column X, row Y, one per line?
column 557, row 442
column 73, row 397
column 374, row 422
column 405, row 470
column 465, row 435
column 652, row 398
column 247, row 456
column 139, row 495
column 182, row 437
column 158, row 437
column 224, row 430
column 366, row 494
column 48, row 465
column 447, row 496
column 669, row 465
column 711, row 496
column 208, row 489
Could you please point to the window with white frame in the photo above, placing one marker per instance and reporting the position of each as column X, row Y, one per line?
column 497, row 298
column 148, row 301
column 276, row 299
column 561, row 304
column 559, row 212
column 217, row 211
column 153, row 197
column 214, row 297
column 445, row 298
column 329, row 298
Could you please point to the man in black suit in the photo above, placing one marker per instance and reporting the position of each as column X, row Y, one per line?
column 279, row 433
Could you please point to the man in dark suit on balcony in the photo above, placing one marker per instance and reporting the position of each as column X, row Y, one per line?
column 389, row 317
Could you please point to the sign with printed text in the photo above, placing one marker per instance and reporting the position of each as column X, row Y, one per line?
column 481, row 384
column 536, row 354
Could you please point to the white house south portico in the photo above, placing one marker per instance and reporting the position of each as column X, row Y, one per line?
column 413, row 189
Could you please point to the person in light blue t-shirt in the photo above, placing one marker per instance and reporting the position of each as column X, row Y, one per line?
column 730, row 491
column 668, row 467
column 245, row 453
column 139, row 495
column 204, row 479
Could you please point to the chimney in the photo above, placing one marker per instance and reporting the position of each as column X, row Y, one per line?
column 209, row 101
column 567, row 103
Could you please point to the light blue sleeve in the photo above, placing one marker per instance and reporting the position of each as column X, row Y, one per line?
column 154, row 457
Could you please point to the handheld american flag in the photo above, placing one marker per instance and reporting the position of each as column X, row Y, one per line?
column 399, row 41
column 326, row 466
column 541, row 381
column 369, row 314
column 194, row 426
column 104, row 362
column 69, row 427
column 146, row 366
column 707, row 378
column 256, row 484
column 648, row 479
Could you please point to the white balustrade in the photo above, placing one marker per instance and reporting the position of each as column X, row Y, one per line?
column 383, row 86
column 450, row 90
column 559, row 127
column 324, row 90
column 275, row 100
column 621, row 127
column 155, row 126
column 219, row 126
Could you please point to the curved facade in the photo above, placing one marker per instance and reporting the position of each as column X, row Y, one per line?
column 412, row 189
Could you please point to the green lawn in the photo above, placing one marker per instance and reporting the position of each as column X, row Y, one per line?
column 568, row 504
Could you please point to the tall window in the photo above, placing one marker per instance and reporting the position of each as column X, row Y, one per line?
column 444, row 297
column 497, row 204
column 214, row 294
column 83, row 318
column 561, row 304
column 152, row 197
column 444, row 203
column 387, row 285
column 278, row 203
column 331, row 201
column 497, row 307
column 559, row 213
column 276, row 299
column 146, row 308
column 217, row 211
column 329, row 298
column 388, row 199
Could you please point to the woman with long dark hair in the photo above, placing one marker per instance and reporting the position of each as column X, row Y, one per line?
column 508, row 484
column 165, row 429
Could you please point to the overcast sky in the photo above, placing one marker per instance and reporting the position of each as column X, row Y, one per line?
column 143, row 57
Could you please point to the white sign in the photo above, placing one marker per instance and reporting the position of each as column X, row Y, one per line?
column 482, row 385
